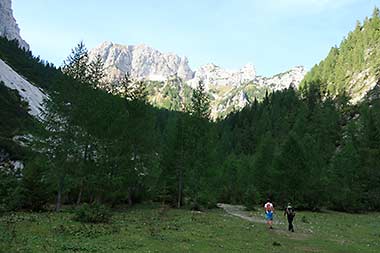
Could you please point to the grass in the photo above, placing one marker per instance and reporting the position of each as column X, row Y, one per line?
column 150, row 228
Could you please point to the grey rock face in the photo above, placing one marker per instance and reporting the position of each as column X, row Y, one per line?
column 228, row 90
column 213, row 75
column 8, row 25
column 141, row 62
column 28, row 92
column 283, row 80
column 145, row 63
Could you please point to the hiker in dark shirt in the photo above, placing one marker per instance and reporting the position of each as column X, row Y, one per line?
column 290, row 213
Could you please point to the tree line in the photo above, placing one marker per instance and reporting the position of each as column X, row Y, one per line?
column 93, row 147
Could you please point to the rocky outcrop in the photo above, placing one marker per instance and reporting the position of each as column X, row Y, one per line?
column 284, row 80
column 228, row 90
column 8, row 25
column 28, row 92
column 213, row 75
column 145, row 63
column 235, row 96
column 140, row 62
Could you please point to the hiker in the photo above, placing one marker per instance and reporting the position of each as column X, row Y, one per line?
column 269, row 210
column 290, row 213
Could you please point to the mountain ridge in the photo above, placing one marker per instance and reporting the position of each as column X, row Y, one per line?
column 229, row 90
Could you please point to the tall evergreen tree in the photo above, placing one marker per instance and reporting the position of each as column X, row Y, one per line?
column 76, row 64
column 200, row 103
column 95, row 72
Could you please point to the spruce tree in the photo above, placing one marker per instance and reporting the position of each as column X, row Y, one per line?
column 200, row 103
column 132, row 90
column 95, row 73
column 76, row 64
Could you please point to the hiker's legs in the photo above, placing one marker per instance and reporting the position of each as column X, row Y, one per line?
column 290, row 221
column 269, row 218
column 290, row 228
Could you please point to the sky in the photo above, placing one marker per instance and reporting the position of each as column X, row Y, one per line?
column 273, row 35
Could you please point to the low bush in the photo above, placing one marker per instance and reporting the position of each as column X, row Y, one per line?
column 95, row 213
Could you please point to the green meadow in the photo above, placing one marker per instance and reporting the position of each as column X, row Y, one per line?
column 152, row 228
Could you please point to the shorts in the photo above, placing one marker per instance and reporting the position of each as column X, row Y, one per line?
column 269, row 215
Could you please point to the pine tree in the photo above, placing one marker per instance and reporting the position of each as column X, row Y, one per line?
column 200, row 103
column 75, row 65
column 139, row 91
column 291, row 170
column 132, row 90
column 58, row 144
column 95, row 72
column 124, row 87
column 345, row 180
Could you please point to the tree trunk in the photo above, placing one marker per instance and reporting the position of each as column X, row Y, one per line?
column 181, row 167
column 79, row 199
column 131, row 188
column 91, row 200
column 85, row 158
column 180, row 188
column 130, row 197
column 58, row 204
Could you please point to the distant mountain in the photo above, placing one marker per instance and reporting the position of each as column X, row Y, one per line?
column 8, row 25
column 140, row 62
column 353, row 67
column 170, row 80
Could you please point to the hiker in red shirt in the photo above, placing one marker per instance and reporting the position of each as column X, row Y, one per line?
column 269, row 211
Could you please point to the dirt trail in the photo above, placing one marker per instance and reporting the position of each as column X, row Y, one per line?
column 240, row 212
column 280, row 227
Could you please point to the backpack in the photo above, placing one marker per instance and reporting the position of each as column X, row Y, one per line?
column 291, row 212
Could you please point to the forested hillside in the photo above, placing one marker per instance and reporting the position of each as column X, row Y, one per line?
column 353, row 67
column 311, row 147
column 315, row 152
column 96, row 146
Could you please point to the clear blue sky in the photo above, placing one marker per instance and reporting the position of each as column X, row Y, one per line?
column 274, row 35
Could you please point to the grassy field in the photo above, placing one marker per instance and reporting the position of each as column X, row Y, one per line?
column 147, row 228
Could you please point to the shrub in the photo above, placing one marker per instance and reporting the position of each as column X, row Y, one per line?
column 36, row 188
column 11, row 195
column 202, row 202
column 95, row 213
column 251, row 198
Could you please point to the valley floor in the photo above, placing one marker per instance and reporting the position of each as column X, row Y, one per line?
column 150, row 228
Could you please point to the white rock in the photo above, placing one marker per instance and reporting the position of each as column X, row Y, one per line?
column 283, row 80
column 8, row 25
column 213, row 75
column 141, row 62
column 225, row 87
column 28, row 92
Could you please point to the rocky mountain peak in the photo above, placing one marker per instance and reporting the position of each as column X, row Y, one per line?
column 228, row 90
column 140, row 62
column 213, row 75
column 8, row 25
column 283, row 80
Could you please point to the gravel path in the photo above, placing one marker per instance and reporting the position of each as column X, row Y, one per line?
column 240, row 212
